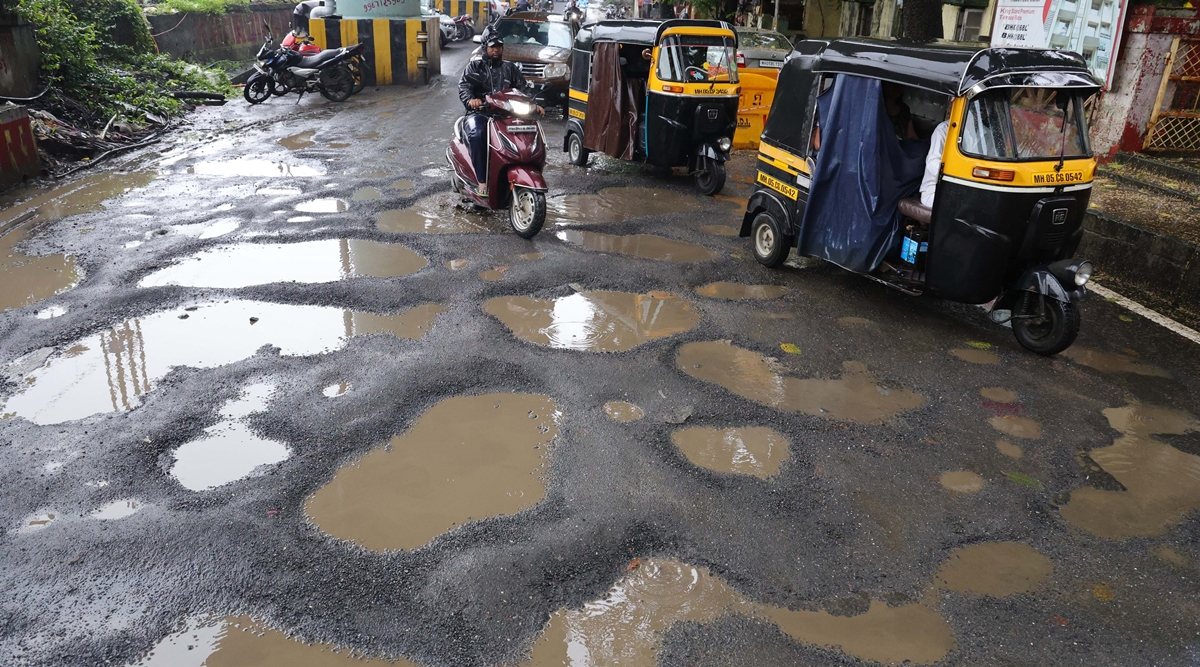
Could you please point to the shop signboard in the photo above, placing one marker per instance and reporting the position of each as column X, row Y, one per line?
column 1088, row 27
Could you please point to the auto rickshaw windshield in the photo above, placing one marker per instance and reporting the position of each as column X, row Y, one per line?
column 1026, row 124
column 697, row 59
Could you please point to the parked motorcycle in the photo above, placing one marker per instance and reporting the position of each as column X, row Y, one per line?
column 302, row 42
column 280, row 68
column 516, row 149
column 464, row 27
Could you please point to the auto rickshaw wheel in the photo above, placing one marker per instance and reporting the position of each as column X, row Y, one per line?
column 1047, row 328
column 771, row 245
column 527, row 212
column 575, row 150
column 710, row 178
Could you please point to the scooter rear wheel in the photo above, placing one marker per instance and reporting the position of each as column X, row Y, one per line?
column 527, row 212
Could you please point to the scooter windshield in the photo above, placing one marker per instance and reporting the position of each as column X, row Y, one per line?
column 1026, row 124
column 697, row 59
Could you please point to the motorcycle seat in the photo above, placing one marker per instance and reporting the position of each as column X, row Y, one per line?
column 320, row 58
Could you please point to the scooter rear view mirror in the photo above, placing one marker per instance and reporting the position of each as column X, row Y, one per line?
column 478, row 39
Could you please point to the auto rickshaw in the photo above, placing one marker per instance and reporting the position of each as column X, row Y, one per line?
column 846, row 157
column 663, row 93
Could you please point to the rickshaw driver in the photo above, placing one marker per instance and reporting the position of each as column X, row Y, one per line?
column 933, row 162
column 497, row 75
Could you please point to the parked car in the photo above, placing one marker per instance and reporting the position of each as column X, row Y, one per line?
column 540, row 44
column 762, row 51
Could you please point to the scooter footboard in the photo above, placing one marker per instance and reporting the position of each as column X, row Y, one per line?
column 525, row 177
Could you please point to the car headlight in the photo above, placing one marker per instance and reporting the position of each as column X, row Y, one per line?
column 724, row 143
column 1083, row 273
column 556, row 71
column 521, row 108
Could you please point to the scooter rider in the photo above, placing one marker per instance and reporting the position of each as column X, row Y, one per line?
column 489, row 74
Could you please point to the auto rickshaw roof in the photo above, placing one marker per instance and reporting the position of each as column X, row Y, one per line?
column 644, row 32
column 944, row 68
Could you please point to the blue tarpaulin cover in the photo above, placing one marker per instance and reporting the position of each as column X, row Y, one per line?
column 862, row 172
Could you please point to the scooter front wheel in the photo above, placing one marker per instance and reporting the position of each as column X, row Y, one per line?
column 527, row 212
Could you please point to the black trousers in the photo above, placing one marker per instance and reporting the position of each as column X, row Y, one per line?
column 477, row 125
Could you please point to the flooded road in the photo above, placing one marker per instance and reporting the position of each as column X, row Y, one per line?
column 270, row 394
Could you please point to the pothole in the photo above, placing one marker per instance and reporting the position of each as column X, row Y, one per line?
column 466, row 458
column 750, row 450
column 996, row 569
column 623, row 412
column 856, row 396
column 109, row 371
column 252, row 168
column 1107, row 362
column 737, row 291
column 597, row 321
column 323, row 261
column 28, row 279
column 229, row 450
column 439, row 214
column 644, row 246
column 616, row 205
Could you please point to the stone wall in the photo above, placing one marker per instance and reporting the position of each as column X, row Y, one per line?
column 232, row 36
column 19, row 58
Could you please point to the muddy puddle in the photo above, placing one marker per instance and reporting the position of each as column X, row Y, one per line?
column 644, row 246
column 366, row 194
column 109, row 371
column 626, row 626
column 750, row 450
column 616, row 205
column 219, row 228
column 720, row 230
column 306, row 262
column 855, row 396
column 492, row 275
column 594, row 321
column 975, row 356
column 299, row 141
column 252, row 168
column 623, row 412
column 999, row 395
column 466, row 458
column 457, row 264
column 1111, row 362
column 27, row 279
column 230, row 449
column 38, row 520
column 335, row 390
column 738, row 291
column 1162, row 483
column 1008, row 449
column 996, row 569
column 1017, row 427
column 239, row 641
column 117, row 509
column 86, row 195
column 277, row 191
column 961, row 481
column 323, row 205
column 439, row 214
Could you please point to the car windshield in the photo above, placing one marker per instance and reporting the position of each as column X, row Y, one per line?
column 545, row 33
column 1026, row 124
column 763, row 40
column 695, row 59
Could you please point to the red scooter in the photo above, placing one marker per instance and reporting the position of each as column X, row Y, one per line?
column 516, row 154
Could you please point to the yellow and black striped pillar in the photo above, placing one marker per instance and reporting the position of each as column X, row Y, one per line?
column 403, row 51
column 475, row 8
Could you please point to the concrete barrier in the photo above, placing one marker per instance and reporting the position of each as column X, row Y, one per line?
column 19, row 57
column 758, row 92
column 20, row 159
column 402, row 51
column 232, row 36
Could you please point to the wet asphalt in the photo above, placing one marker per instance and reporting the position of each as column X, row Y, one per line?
column 856, row 513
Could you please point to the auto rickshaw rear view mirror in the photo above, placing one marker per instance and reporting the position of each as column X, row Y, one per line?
column 646, row 55
column 993, row 174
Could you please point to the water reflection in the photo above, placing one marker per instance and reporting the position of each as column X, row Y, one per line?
column 597, row 321
column 110, row 370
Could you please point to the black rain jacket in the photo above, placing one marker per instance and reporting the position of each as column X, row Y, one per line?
column 504, row 76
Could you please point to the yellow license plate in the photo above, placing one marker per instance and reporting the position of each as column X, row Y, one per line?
column 1058, row 178
column 778, row 186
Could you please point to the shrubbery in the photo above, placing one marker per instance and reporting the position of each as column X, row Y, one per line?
column 99, row 60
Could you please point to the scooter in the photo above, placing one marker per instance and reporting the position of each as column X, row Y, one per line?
column 279, row 68
column 516, row 154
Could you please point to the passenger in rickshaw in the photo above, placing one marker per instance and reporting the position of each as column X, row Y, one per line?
column 898, row 111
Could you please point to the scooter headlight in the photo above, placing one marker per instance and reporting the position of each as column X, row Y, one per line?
column 520, row 108
column 1083, row 273
column 556, row 71
column 724, row 143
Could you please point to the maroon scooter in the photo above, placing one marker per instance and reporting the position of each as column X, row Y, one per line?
column 516, row 154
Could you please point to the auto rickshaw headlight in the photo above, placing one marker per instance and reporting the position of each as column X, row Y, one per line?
column 724, row 143
column 1083, row 273
column 556, row 71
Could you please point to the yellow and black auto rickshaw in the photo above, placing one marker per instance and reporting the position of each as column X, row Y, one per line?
column 660, row 92
column 852, row 169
